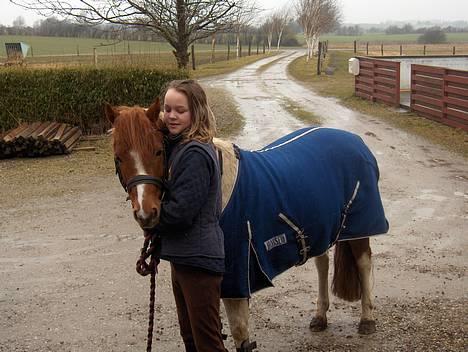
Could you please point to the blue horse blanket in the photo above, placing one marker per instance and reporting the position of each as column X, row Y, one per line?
column 293, row 200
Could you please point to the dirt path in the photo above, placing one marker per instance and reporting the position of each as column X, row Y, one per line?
column 67, row 260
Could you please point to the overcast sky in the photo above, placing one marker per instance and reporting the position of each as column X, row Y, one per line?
column 354, row 11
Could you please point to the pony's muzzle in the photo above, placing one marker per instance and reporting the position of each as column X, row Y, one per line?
column 147, row 219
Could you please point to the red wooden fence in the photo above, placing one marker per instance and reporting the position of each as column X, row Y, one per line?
column 440, row 94
column 378, row 80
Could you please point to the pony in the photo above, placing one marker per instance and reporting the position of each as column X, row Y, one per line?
column 348, row 212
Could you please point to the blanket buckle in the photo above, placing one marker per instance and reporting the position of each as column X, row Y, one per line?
column 301, row 239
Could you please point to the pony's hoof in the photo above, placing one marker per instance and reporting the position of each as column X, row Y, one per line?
column 366, row 327
column 318, row 324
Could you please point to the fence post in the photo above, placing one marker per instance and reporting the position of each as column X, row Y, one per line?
column 424, row 50
column 367, row 48
column 381, row 49
column 401, row 50
column 213, row 45
column 128, row 49
column 263, row 48
column 77, row 50
column 453, row 51
column 319, row 58
column 258, row 46
column 193, row 57
column 354, row 46
column 95, row 56
column 250, row 45
column 229, row 51
column 32, row 52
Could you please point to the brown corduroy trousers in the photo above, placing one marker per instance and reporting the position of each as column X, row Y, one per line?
column 197, row 297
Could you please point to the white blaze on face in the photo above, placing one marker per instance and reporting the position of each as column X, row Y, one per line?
column 140, row 189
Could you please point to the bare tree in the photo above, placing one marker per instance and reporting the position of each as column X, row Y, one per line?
column 269, row 27
column 180, row 22
column 246, row 13
column 316, row 17
column 280, row 20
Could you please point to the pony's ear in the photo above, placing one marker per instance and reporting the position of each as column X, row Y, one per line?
column 153, row 111
column 111, row 114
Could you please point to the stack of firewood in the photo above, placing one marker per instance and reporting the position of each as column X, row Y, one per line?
column 39, row 139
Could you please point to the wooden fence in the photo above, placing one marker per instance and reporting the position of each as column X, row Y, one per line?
column 440, row 94
column 378, row 80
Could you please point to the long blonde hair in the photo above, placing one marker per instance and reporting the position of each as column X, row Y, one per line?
column 203, row 124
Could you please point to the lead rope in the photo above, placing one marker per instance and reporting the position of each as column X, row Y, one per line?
column 143, row 268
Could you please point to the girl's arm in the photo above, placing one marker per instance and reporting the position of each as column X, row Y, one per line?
column 188, row 192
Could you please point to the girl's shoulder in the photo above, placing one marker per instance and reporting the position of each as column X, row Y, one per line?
column 194, row 148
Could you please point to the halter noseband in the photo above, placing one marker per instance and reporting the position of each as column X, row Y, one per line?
column 139, row 179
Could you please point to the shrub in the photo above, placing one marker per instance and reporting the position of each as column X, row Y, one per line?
column 75, row 95
column 432, row 36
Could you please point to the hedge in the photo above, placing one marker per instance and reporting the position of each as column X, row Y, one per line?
column 75, row 95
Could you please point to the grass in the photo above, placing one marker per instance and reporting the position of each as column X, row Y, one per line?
column 51, row 52
column 301, row 114
column 341, row 86
column 62, row 52
column 225, row 66
column 390, row 38
column 229, row 121
column 264, row 67
column 60, row 46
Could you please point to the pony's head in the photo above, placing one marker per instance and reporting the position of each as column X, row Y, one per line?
column 140, row 158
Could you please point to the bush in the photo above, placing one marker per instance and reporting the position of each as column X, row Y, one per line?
column 432, row 36
column 75, row 96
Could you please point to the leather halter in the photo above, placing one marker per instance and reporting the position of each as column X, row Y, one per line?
column 139, row 179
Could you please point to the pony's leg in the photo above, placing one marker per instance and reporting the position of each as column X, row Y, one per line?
column 237, row 311
column 363, row 256
column 319, row 321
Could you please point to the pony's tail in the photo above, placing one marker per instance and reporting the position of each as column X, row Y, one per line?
column 346, row 284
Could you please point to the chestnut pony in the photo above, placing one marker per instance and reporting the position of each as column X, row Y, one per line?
column 138, row 150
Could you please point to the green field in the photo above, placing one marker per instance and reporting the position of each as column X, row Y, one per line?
column 391, row 38
column 56, row 46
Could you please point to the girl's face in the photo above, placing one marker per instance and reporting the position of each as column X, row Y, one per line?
column 177, row 115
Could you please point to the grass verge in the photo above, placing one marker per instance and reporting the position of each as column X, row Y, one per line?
column 229, row 121
column 341, row 86
column 226, row 66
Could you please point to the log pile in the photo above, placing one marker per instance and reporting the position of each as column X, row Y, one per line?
column 39, row 139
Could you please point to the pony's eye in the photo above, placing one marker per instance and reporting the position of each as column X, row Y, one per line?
column 158, row 153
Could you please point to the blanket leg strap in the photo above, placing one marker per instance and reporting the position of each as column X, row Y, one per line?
column 300, row 237
column 247, row 346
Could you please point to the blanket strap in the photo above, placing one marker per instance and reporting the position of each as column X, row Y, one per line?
column 300, row 237
column 345, row 212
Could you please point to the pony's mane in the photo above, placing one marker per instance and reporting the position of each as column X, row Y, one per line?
column 224, row 146
column 134, row 130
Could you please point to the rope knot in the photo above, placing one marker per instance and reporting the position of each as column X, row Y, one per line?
column 150, row 249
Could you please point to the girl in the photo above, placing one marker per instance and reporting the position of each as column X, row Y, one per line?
column 191, row 239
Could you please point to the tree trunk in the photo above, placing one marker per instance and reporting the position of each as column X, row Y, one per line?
column 182, row 56
column 181, row 49
column 315, row 40
column 279, row 41
column 238, row 53
column 213, row 45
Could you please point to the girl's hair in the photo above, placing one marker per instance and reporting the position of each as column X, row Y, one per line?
column 203, row 126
